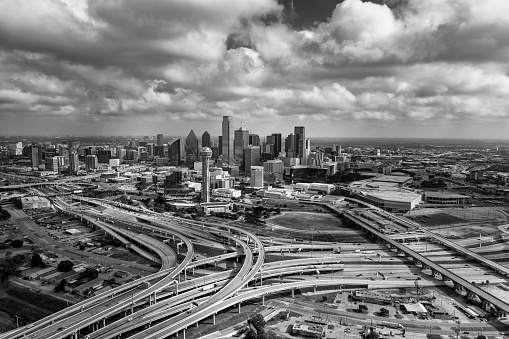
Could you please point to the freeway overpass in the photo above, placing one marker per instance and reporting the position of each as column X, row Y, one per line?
column 501, row 305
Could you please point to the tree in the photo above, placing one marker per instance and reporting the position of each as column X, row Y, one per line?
column 363, row 308
column 61, row 285
column 372, row 335
column 25, row 315
column 65, row 266
column 82, row 247
column 36, row 260
column 90, row 273
column 384, row 312
column 17, row 243
column 258, row 323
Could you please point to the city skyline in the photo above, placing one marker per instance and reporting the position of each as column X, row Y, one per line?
column 434, row 69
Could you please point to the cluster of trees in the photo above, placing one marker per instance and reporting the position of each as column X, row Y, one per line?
column 4, row 214
column 16, row 243
column 433, row 183
column 101, row 194
column 233, row 216
column 37, row 261
column 10, row 265
column 65, row 266
column 256, row 329
column 345, row 177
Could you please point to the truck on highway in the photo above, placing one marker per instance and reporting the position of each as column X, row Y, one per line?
column 391, row 324
column 208, row 287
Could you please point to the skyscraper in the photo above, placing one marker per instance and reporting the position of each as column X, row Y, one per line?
column 240, row 141
column 191, row 147
column 299, row 141
column 254, row 139
column 205, row 139
column 174, row 152
column 276, row 139
column 251, row 158
column 91, row 162
column 289, row 145
column 206, row 154
column 159, row 140
column 256, row 176
column 104, row 156
column 34, row 156
column 227, row 142
column 73, row 162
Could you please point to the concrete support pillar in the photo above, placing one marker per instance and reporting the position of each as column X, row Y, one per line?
column 314, row 289
column 213, row 319
column 263, row 300
column 215, row 263
column 155, row 297
column 104, row 322
column 193, row 270
column 293, row 292
column 184, row 333
column 239, row 307
column 185, row 274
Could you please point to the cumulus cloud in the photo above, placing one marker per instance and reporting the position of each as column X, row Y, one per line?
column 409, row 62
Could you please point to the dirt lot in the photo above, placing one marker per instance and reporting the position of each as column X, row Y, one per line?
column 306, row 221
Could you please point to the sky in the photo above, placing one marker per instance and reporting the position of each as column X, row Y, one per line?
column 393, row 68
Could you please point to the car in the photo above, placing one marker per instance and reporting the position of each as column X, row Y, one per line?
column 130, row 319
column 61, row 328
column 466, row 332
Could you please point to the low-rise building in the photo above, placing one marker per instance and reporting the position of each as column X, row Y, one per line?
column 307, row 330
column 34, row 202
column 445, row 198
column 226, row 193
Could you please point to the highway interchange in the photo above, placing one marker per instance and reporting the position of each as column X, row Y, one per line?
column 169, row 301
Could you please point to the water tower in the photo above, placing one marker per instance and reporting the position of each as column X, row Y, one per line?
column 205, row 154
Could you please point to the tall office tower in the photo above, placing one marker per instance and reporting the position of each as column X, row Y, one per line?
column 174, row 152
column 240, row 141
column 254, row 139
column 251, row 158
column 90, row 162
column 51, row 164
column 34, row 156
column 151, row 148
column 206, row 154
column 256, row 176
column 276, row 140
column 289, row 144
column 299, row 141
column 182, row 149
column 73, row 162
column 306, row 150
column 191, row 147
column 227, row 142
column 205, row 139
column 159, row 140
column 104, row 156
column 220, row 145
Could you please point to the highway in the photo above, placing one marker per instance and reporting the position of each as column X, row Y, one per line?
column 503, row 305
column 178, row 305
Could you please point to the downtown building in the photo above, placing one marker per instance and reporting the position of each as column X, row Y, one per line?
column 227, row 140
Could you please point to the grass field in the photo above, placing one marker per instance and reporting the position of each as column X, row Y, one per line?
column 439, row 219
column 307, row 221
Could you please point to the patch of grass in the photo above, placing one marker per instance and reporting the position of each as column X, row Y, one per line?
column 306, row 221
